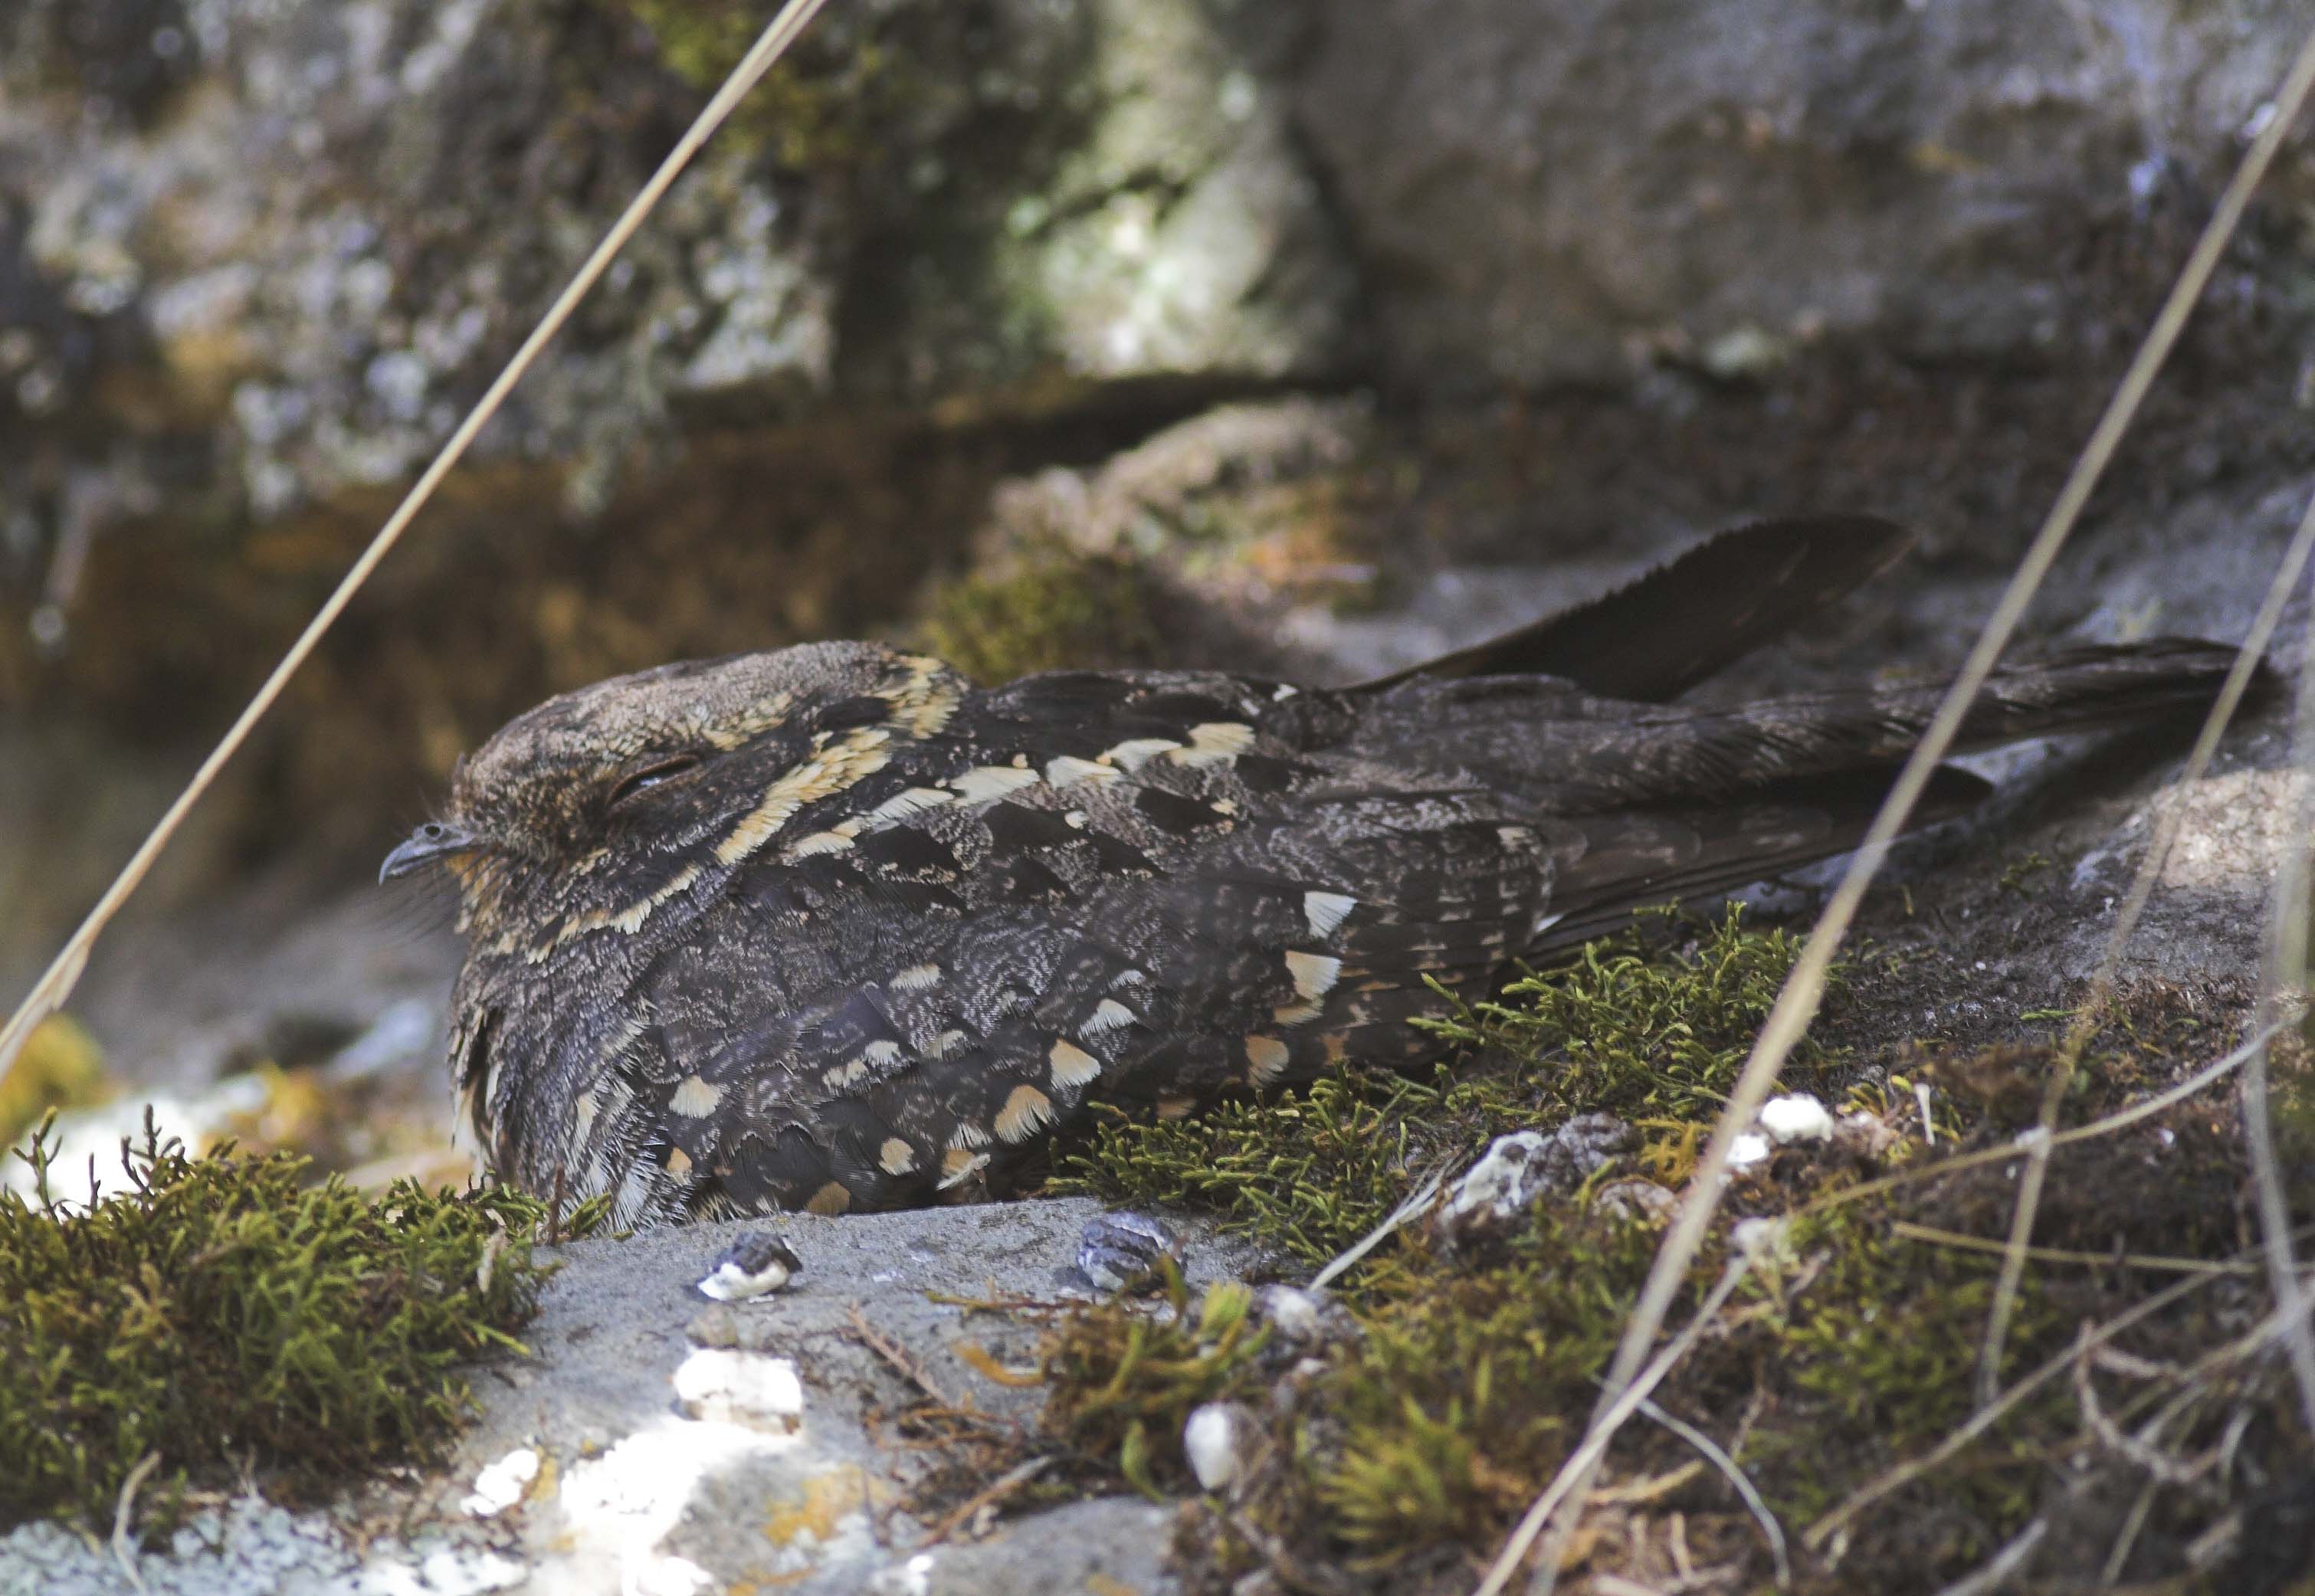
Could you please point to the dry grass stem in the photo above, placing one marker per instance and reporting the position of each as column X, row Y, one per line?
column 1574, row 1476
column 124, row 1518
column 1909, row 1231
column 1796, row 1004
column 905, row 1367
column 2283, row 983
column 2121, row 1119
column 988, row 1495
column 1739, row 1481
column 1414, row 1204
column 2006, row 1562
column 1822, row 1531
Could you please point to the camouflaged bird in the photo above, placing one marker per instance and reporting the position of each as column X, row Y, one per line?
column 831, row 928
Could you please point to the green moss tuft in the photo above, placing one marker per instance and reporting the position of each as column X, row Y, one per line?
column 1123, row 1379
column 1655, row 1035
column 1851, row 1355
column 1309, row 1171
column 1644, row 1031
column 220, row 1311
column 1467, row 1389
column 1057, row 609
column 1878, row 1358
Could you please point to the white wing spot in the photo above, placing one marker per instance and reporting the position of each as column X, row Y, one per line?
column 1314, row 975
column 1068, row 769
column 820, row 842
column 1326, row 911
column 1139, row 752
column 900, row 805
column 989, row 783
column 915, row 978
column 695, row 1099
column 1108, row 1014
column 896, row 1157
column 1214, row 742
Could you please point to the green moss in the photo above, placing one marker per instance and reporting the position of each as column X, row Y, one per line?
column 1467, row 1389
column 1124, row 1378
column 1056, row 609
column 220, row 1311
column 1309, row 1171
column 1640, row 1030
column 1475, row 1370
column 2019, row 872
column 1650, row 1031
column 1876, row 1361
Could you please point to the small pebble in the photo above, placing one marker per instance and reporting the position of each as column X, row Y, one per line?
column 1215, row 1439
column 1295, row 1311
column 1119, row 1251
column 1499, row 1184
column 736, row 1387
column 1797, row 1118
column 1642, row 1201
column 756, row 1265
column 502, row 1484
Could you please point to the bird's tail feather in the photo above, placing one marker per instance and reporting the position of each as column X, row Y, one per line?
column 1657, row 636
column 1721, row 751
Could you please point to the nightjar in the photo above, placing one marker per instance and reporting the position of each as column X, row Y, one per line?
column 830, row 927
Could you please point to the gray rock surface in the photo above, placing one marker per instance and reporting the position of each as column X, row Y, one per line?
column 314, row 242
column 583, row 1474
column 1571, row 192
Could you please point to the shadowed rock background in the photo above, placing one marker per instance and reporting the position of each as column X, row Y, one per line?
column 1311, row 336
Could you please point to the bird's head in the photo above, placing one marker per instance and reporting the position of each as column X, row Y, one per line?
column 596, row 809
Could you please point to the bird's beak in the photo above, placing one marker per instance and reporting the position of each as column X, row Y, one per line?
column 432, row 842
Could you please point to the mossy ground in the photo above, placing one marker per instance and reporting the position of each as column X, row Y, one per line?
column 1047, row 608
column 1850, row 1351
column 221, row 1317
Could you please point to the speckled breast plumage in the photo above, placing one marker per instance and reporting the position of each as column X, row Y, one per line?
column 831, row 928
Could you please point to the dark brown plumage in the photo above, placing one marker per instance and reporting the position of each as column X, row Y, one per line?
column 829, row 927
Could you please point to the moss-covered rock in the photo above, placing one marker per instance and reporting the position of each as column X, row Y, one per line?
column 220, row 1311
column 1048, row 609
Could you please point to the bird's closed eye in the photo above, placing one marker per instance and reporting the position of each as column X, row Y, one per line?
column 643, row 777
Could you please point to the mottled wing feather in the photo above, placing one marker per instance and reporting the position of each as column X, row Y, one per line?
column 1136, row 899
